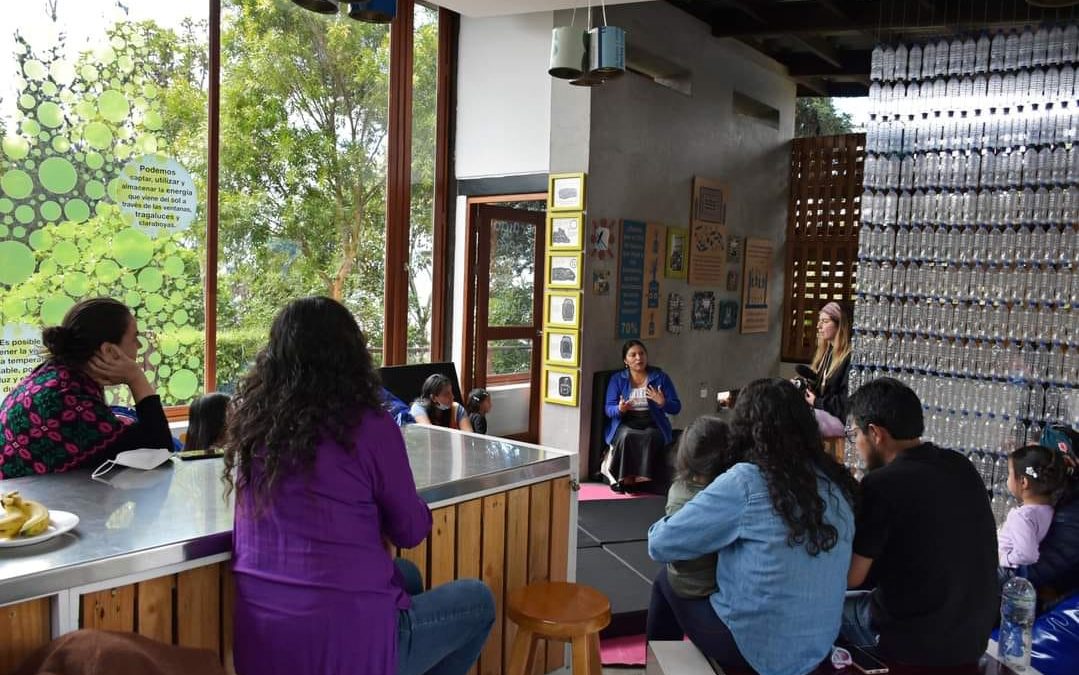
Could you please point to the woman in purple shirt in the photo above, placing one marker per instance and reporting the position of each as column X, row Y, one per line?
column 323, row 492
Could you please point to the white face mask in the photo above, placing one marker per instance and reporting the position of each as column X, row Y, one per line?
column 442, row 407
column 145, row 459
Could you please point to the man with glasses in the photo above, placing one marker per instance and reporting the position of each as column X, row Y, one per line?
column 925, row 537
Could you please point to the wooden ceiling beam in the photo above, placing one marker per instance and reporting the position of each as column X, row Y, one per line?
column 869, row 16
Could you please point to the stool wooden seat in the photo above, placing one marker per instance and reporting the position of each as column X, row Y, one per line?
column 562, row 612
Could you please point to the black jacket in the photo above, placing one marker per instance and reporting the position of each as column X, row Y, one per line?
column 1058, row 559
column 835, row 398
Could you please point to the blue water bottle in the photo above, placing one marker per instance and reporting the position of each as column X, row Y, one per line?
column 1017, row 607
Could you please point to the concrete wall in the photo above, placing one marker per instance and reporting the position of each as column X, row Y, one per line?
column 503, row 95
column 646, row 144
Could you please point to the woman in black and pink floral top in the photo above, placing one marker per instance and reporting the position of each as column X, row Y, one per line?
column 56, row 418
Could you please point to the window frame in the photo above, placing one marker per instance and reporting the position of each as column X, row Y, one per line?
column 398, row 186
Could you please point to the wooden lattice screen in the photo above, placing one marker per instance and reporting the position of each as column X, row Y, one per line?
column 822, row 234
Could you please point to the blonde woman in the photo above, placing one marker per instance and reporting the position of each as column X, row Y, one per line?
column 831, row 363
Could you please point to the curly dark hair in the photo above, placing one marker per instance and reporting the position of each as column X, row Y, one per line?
column 775, row 429
column 312, row 381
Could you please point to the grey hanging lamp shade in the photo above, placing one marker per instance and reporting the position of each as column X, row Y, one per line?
column 568, row 53
column 320, row 6
column 373, row 11
column 606, row 51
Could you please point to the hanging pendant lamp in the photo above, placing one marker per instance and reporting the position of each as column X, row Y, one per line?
column 607, row 51
column 373, row 11
column 568, row 52
column 320, row 6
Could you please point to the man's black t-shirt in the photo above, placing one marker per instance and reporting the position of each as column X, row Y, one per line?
column 926, row 522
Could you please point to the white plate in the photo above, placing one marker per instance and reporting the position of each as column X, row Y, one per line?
column 59, row 522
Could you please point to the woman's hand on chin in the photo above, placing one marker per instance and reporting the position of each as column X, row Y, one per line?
column 111, row 366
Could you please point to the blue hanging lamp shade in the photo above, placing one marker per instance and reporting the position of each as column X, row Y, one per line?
column 373, row 11
column 606, row 51
column 320, row 6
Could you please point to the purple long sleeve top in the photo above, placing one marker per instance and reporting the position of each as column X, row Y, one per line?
column 1023, row 530
column 316, row 591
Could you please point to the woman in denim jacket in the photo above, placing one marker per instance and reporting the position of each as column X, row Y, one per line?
column 781, row 523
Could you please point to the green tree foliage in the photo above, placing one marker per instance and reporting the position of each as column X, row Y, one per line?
column 304, row 119
column 818, row 117
column 64, row 233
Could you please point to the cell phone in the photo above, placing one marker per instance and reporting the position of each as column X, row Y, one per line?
column 866, row 662
column 189, row 455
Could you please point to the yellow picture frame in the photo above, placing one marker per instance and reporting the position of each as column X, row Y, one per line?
column 566, row 192
column 555, row 309
column 565, row 231
column 676, row 265
column 568, row 267
column 562, row 348
column 567, row 381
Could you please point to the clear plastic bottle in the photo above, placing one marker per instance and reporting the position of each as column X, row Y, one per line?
column 970, row 50
column 929, row 61
column 1025, row 54
column 996, row 52
column 1040, row 47
column 943, row 49
column 914, row 62
column 1056, row 44
column 1070, row 43
column 876, row 63
column 1018, row 602
column 1011, row 51
column 901, row 58
column 888, row 64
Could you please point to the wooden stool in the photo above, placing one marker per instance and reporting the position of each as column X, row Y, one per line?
column 562, row 612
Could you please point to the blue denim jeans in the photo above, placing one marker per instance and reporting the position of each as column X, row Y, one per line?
column 857, row 627
column 444, row 631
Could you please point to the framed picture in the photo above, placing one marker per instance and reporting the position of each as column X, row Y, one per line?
column 562, row 309
column 677, row 253
column 560, row 386
column 728, row 314
column 564, row 270
column 601, row 282
column 565, row 192
column 562, row 347
column 703, row 313
column 565, row 231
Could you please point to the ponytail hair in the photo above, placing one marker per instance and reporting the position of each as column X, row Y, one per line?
column 86, row 326
column 1043, row 468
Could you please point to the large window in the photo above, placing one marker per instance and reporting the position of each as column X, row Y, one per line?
column 103, row 176
column 424, row 159
column 106, row 161
column 303, row 170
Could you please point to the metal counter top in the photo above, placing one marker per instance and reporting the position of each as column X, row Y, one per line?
column 142, row 520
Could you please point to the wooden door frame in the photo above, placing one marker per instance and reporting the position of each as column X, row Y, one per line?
column 472, row 245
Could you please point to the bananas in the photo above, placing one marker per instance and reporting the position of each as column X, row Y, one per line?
column 22, row 517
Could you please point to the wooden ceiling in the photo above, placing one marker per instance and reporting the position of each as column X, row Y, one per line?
column 826, row 44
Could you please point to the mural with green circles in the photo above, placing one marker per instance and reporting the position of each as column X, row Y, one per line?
column 74, row 223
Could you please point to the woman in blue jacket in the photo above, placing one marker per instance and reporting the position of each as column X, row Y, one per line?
column 638, row 401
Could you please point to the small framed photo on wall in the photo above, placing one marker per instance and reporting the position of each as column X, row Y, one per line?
column 564, row 270
column 562, row 348
column 677, row 253
column 560, row 386
column 564, row 231
column 565, row 192
column 562, row 309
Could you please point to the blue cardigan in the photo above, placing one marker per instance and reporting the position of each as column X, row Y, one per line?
column 620, row 386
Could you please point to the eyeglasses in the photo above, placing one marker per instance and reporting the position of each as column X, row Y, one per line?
column 851, row 433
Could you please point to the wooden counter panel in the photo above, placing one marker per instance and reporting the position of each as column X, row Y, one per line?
column 25, row 626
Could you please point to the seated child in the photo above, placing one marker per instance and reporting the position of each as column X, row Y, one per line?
column 704, row 452
column 479, row 404
column 206, row 422
column 1036, row 477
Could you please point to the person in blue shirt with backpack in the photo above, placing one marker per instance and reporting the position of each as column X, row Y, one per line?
column 639, row 399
